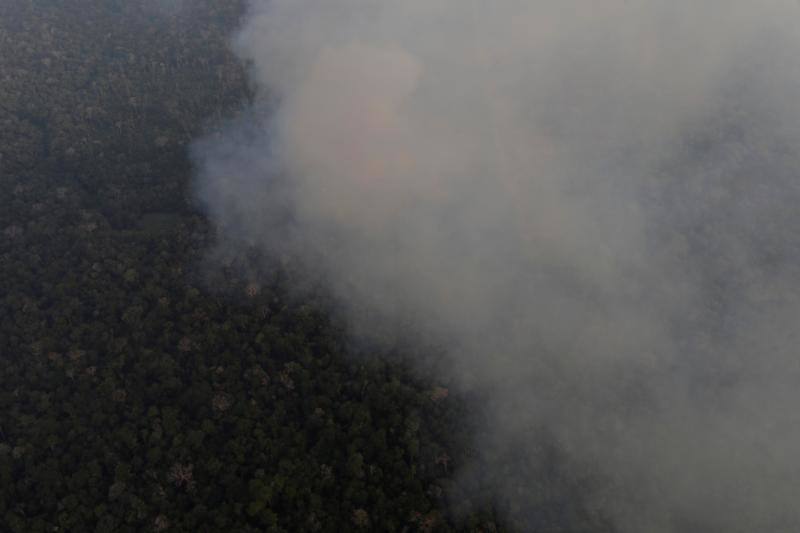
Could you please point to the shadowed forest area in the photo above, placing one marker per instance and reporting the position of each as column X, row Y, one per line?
column 142, row 389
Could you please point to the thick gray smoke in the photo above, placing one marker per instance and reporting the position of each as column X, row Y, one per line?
column 594, row 203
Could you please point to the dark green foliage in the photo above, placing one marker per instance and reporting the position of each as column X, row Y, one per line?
column 135, row 393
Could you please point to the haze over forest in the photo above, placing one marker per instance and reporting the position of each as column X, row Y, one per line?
column 431, row 265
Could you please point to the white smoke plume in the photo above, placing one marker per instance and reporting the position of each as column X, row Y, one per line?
column 592, row 202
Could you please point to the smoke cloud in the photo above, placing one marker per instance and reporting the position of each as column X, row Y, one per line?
column 593, row 204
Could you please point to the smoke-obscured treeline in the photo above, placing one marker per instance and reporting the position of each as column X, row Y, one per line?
column 590, row 206
column 138, row 390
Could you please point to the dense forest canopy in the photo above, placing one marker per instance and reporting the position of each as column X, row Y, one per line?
column 142, row 389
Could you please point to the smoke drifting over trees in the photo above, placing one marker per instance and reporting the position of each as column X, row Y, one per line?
column 592, row 204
